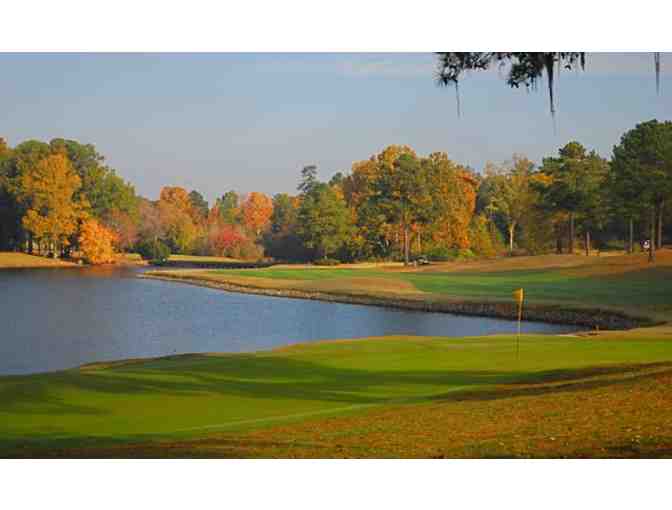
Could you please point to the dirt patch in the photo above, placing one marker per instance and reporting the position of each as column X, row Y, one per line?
column 370, row 285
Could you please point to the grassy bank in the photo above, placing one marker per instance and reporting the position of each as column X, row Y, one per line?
column 619, row 284
column 394, row 396
column 14, row 260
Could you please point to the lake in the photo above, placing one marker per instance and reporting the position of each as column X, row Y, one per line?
column 53, row 319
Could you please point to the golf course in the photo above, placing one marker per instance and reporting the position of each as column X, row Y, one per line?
column 589, row 394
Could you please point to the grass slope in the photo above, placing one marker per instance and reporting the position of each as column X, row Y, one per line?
column 624, row 283
column 16, row 260
column 106, row 409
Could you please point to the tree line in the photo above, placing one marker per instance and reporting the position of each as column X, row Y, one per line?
column 60, row 197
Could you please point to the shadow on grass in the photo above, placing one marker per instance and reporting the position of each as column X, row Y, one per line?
column 278, row 378
column 235, row 445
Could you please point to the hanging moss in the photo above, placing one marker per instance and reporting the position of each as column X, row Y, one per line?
column 526, row 68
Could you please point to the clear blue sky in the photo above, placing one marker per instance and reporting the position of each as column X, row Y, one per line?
column 248, row 122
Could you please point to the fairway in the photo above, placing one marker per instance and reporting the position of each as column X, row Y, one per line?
column 625, row 284
column 192, row 396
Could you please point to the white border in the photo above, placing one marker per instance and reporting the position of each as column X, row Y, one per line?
column 345, row 25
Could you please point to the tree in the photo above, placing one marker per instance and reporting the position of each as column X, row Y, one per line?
column 452, row 189
column 124, row 227
column 228, row 207
column 96, row 243
column 199, row 206
column 177, row 215
column 227, row 239
column 401, row 194
column 308, row 178
column 101, row 187
column 512, row 194
column 257, row 210
column 151, row 224
column 324, row 222
column 47, row 191
column 573, row 181
column 285, row 212
column 13, row 166
column 642, row 163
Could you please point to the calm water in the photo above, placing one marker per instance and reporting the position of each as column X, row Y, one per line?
column 52, row 319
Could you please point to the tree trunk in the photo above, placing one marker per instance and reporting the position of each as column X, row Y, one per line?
column 571, row 233
column 512, row 229
column 587, row 243
column 558, row 244
column 660, row 225
column 406, row 246
column 652, row 241
column 631, row 242
column 30, row 243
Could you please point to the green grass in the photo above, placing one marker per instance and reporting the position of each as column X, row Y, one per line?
column 192, row 396
column 625, row 283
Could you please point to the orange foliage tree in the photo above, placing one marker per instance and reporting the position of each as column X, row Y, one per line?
column 454, row 190
column 257, row 210
column 96, row 243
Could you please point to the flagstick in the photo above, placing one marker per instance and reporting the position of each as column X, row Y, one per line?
column 520, row 315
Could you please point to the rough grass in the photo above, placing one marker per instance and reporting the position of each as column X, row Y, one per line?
column 349, row 398
column 16, row 260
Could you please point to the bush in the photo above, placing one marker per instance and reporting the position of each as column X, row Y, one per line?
column 327, row 262
column 443, row 254
column 96, row 243
column 153, row 250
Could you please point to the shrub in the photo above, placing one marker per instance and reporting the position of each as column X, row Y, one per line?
column 443, row 254
column 327, row 262
column 97, row 243
column 154, row 250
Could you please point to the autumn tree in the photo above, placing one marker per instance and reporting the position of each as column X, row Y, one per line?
column 176, row 214
column 47, row 191
column 452, row 189
column 96, row 243
column 256, row 211
column 151, row 224
column 124, row 226
column 401, row 194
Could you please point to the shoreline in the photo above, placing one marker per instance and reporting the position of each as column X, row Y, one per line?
column 552, row 314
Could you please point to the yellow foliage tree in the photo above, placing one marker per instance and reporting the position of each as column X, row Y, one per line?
column 48, row 192
column 96, row 243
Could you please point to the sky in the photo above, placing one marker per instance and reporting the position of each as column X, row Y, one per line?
column 250, row 122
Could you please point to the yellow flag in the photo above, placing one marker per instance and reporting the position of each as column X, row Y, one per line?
column 518, row 295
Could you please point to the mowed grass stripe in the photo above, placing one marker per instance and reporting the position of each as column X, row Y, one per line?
column 161, row 398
